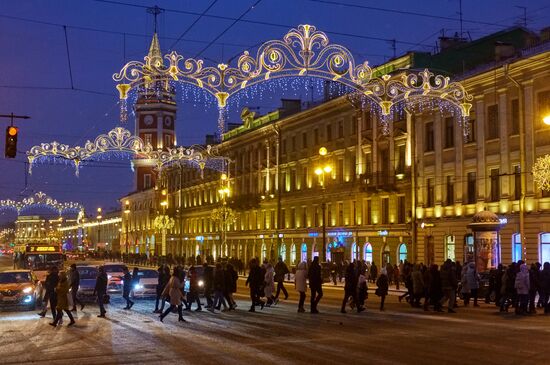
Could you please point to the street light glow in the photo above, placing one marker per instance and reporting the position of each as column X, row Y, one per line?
column 546, row 119
column 318, row 171
column 323, row 151
column 327, row 169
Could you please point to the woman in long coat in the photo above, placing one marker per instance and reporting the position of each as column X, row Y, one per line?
column 269, row 284
column 173, row 290
column 62, row 291
column 300, row 279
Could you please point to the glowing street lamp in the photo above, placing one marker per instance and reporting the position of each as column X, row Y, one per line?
column 320, row 171
column 127, row 214
column 546, row 119
column 98, row 225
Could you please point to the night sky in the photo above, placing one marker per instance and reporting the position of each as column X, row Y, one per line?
column 103, row 35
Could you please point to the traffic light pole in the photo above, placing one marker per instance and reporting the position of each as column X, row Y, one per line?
column 11, row 135
column 13, row 116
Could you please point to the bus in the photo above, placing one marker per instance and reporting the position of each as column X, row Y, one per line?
column 39, row 257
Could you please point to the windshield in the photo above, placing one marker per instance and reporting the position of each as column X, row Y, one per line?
column 15, row 277
column 44, row 261
column 87, row 272
column 148, row 274
column 113, row 268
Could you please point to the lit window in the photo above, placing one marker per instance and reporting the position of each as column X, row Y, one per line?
column 402, row 252
column 303, row 256
column 450, row 247
column 367, row 252
column 516, row 247
column 545, row 247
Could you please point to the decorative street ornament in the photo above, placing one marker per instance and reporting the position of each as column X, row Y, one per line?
column 541, row 172
column 163, row 223
column 121, row 141
column 40, row 199
column 303, row 52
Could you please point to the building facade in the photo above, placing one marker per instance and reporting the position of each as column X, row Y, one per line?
column 406, row 194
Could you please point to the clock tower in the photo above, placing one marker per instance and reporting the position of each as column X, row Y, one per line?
column 155, row 112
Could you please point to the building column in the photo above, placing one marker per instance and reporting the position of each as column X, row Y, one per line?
column 504, row 148
column 480, row 144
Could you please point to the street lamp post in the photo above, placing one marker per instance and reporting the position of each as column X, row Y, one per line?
column 320, row 171
column 98, row 226
column 224, row 214
column 127, row 214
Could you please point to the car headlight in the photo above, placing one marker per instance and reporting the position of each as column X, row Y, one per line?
column 27, row 299
column 109, row 277
column 138, row 286
column 201, row 283
column 27, row 290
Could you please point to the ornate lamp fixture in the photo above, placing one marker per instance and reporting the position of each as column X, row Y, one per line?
column 163, row 223
column 541, row 172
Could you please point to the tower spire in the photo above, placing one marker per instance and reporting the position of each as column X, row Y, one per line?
column 155, row 54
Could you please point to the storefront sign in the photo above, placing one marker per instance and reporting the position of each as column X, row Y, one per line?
column 383, row 233
column 340, row 234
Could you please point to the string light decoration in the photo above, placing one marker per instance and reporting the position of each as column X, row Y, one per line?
column 121, row 141
column 541, row 172
column 41, row 199
column 303, row 52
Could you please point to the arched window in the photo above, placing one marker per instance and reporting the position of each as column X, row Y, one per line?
column 385, row 254
column 402, row 252
column 264, row 252
column 282, row 251
column 314, row 251
column 353, row 251
column 367, row 253
column 545, row 247
column 450, row 247
column 197, row 250
column 293, row 254
column 303, row 256
column 469, row 249
column 516, row 247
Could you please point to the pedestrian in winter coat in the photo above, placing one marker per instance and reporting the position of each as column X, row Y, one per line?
column 522, row 286
column 269, row 285
column 382, row 287
column 74, row 283
column 448, row 284
column 373, row 272
column 472, row 278
column 208, row 279
column 280, row 271
column 231, row 276
column 362, row 290
column 52, row 279
column 545, row 286
column 436, row 291
column 417, row 285
column 508, row 289
column 350, row 288
column 193, row 295
column 315, row 284
column 161, row 283
column 173, row 290
column 101, row 290
column 254, row 282
column 396, row 276
column 219, row 288
column 465, row 289
column 62, row 291
column 534, row 280
column 127, row 284
column 300, row 281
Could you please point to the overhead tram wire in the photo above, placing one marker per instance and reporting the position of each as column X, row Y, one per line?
column 229, row 27
column 193, row 24
column 259, row 22
column 406, row 12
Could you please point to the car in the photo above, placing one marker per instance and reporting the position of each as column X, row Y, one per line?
column 147, row 285
column 114, row 277
column 19, row 288
column 199, row 269
column 88, row 276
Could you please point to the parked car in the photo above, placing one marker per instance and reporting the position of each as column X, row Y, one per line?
column 19, row 288
column 147, row 285
column 88, row 276
column 114, row 277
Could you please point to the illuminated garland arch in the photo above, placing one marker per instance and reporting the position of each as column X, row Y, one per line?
column 121, row 141
column 40, row 199
column 303, row 52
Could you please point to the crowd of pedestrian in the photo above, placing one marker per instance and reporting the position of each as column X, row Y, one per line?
column 430, row 287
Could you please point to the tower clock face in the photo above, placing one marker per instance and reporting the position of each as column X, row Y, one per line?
column 148, row 120
column 167, row 122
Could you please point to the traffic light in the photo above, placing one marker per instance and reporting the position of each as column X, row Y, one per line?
column 11, row 142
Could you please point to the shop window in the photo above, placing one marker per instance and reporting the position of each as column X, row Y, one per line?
column 545, row 247
column 264, row 252
column 353, row 251
column 385, row 255
column 282, row 251
column 314, row 251
column 402, row 252
column 367, row 252
column 303, row 256
column 516, row 247
column 469, row 248
column 450, row 247
column 293, row 254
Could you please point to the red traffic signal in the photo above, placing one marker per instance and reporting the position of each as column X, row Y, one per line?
column 11, row 142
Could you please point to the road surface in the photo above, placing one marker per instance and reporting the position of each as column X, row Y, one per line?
column 400, row 335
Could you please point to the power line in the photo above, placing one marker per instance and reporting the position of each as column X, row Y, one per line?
column 259, row 22
column 68, row 56
column 405, row 12
column 193, row 24
column 229, row 27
